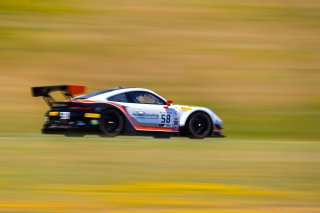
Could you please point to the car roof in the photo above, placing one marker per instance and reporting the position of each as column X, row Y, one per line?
column 105, row 94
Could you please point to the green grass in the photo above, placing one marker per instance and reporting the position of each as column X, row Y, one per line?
column 91, row 174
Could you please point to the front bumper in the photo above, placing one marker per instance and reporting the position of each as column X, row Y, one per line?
column 217, row 131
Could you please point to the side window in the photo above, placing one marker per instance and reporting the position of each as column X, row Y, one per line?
column 119, row 98
column 145, row 98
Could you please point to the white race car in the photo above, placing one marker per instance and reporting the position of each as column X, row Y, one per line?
column 124, row 111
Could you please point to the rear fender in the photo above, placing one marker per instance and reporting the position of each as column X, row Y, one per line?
column 95, row 107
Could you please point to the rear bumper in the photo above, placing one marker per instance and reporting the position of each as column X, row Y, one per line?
column 70, row 126
column 75, row 121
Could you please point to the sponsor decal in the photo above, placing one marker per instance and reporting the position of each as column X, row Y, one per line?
column 185, row 108
column 146, row 116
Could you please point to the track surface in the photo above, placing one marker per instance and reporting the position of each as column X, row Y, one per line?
column 139, row 138
column 141, row 174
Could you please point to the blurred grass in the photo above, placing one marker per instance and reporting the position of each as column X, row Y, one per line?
column 256, row 63
column 58, row 174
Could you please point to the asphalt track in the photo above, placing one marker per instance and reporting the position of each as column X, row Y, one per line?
column 148, row 138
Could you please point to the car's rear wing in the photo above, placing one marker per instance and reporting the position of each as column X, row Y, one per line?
column 69, row 91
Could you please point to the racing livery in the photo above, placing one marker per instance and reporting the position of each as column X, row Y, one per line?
column 123, row 111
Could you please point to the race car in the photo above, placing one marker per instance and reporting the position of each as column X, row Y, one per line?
column 123, row 111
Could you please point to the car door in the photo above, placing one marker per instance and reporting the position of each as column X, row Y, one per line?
column 146, row 109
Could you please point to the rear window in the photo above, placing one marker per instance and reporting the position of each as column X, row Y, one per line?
column 119, row 98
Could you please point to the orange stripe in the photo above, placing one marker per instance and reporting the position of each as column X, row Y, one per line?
column 148, row 128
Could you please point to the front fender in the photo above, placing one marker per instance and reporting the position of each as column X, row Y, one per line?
column 185, row 113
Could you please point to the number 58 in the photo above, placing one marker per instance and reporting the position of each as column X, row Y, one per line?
column 165, row 118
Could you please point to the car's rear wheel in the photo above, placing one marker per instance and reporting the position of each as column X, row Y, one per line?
column 199, row 125
column 111, row 123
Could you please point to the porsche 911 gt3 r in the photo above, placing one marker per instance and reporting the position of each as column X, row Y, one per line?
column 124, row 111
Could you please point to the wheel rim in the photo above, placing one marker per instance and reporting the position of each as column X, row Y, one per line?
column 200, row 125
column 111, row 123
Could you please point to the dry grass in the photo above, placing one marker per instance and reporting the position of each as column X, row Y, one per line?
column 143, row 175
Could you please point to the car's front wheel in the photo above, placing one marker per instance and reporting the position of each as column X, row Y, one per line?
column 111, row 123
column 199, row 125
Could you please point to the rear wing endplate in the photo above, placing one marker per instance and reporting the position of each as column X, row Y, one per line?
column 69, row 91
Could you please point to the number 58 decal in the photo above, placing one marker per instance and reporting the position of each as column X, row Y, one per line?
column 165, row 119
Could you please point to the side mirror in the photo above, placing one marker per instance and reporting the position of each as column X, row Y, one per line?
column 169, row 103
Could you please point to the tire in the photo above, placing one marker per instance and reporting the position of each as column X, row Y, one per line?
column 199, row 125
column 111, row 123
